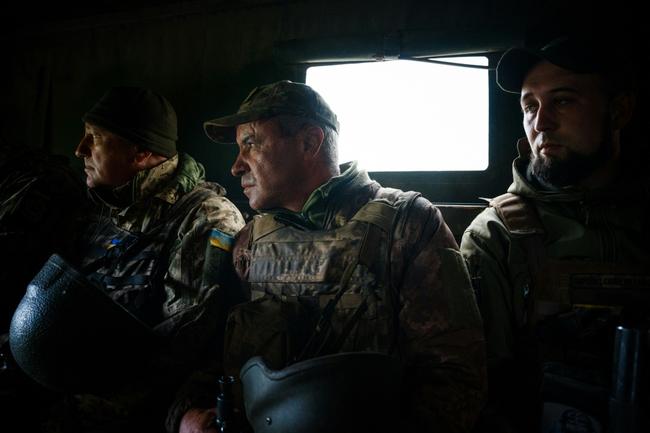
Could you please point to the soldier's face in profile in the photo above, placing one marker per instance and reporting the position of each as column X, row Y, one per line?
column 270, row 166
column 108, row 158
column 567, row 123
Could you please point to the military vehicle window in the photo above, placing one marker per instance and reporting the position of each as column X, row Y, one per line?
column 435, row 111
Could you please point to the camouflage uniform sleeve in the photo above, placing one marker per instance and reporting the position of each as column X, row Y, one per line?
column 499, row 273
column 199, row 286
column 486, row 247
column 193, row 273
column 443, row 341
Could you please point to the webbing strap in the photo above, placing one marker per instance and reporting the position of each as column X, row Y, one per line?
column 133, row 249
column 523, row 222
column 519, row 217
column 378, row 213
column 321, row 334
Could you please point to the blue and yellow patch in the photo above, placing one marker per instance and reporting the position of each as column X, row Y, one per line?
column 112, row 243
column 221, row 240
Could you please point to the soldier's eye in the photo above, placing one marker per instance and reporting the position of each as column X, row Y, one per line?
column 247, row 142
column 529, row 108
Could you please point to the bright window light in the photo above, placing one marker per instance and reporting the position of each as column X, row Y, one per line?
column 405, row 115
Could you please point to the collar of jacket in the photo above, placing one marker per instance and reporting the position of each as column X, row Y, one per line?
column 166, row 181
column 629, row 186
column 322, row 202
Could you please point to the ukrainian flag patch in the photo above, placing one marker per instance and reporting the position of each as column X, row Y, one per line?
column 221, row 240
column 112, row 243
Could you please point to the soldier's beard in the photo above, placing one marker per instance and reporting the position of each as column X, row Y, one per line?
column 557, row 173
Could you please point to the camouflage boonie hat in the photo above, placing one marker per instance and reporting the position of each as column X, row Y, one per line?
column 270, row 100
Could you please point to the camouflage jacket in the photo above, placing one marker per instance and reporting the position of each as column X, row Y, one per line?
column 440, row 339
column 188, row 280
column 603, row 227
column 190, row 298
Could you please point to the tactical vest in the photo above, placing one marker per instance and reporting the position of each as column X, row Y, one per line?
column 573, row 308
column 556, row 286
column 319, row 292
column 131, row 266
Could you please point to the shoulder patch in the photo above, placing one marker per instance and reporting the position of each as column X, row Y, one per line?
column 221, row 240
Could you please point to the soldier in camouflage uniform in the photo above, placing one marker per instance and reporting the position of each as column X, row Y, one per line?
column 160, row 246
column 575, row 209
column 336, row 263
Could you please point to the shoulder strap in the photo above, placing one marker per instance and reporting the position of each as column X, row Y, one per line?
column 263, row 225
column 399, row 200
column 521, row 220
column 518, row 215
column 378, row 213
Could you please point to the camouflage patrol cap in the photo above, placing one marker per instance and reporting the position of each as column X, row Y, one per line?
column 581, row 55
column 270, row 100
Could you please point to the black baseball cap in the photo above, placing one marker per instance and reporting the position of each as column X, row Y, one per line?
column 577, row 54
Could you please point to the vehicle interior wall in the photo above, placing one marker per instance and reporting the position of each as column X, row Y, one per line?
column 205, row 57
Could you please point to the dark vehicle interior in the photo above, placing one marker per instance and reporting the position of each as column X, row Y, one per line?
column 206, row 55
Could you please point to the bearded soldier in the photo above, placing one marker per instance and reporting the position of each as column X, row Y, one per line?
column 552, row 258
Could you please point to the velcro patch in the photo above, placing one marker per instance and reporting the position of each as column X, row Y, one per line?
column 112, row 243
column 221, row 240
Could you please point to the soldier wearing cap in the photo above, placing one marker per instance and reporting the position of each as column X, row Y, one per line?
column 336, row 263
column 576, row 211
column 159, row 247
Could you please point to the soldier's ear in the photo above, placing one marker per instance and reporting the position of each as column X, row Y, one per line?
column 312, row 140
column 141, row 158
column 621, row 108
